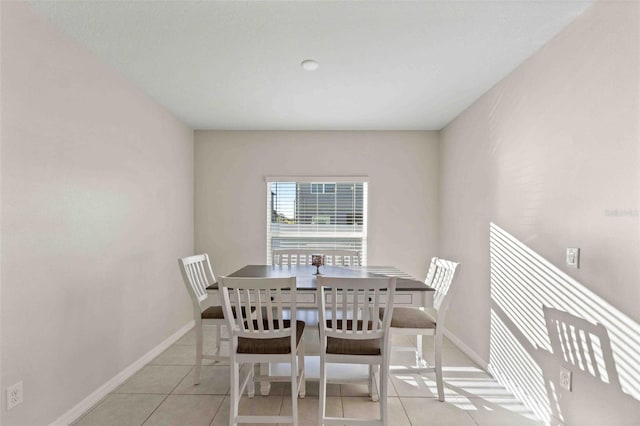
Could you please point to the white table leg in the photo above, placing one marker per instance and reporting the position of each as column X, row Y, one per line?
column 265, row 387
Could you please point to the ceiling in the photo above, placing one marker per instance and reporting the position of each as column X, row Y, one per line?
column 384, row 65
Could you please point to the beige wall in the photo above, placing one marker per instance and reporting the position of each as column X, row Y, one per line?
column 97, row 204
column 551, row 156
column 231, row 192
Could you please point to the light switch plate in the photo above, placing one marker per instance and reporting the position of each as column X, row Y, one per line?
column 573, row 257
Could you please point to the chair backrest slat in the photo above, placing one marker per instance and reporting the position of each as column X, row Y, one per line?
column 279, row 307
column 376, row 307
column 255, row 295
column 344, row 310
column 354, row 301
column 366, row 313
column 334, row 308
column 197, row 275
column 440, row 277
column 269, row 305
column 258, row 306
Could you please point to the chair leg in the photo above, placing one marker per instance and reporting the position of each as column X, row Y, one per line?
column 370, row 384
column 199, row 350
column 218, row 338
column 294, row 390
column 265, row 386
column 438, row 366
column 374, row 379
column 302, row 377
column 251, row 385
column 322, row 391
column 234, row 393
column 420, row 362
column 384, row 384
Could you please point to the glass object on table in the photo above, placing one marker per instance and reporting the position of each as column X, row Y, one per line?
column 317, row 260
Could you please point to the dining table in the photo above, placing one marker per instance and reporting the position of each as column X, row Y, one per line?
column 409, row 292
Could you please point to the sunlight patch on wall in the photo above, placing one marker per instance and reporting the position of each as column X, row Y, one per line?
column 522, row 282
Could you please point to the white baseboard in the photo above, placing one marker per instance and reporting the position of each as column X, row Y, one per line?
column 84, row 405
column 467, row 350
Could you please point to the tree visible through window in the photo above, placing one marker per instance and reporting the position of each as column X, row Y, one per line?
column 317, row 215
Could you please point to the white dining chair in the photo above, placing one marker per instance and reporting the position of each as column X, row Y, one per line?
column 428, row 321
column 354, row 334
column 283, row 257
column 197, row 274
column 266, row 339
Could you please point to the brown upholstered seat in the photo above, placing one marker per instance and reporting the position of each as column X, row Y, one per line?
column 352, row 346
column 215, row 312
column 411, row 318
column 279, row 345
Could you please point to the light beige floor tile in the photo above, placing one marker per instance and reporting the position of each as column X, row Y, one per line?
column 364, row 408
column 258, row 406
column 454, row 359
column 362, row 389
column 473, row 397
column 121, row 410
column 354, row 389
column 192, row 410
column 277, row 389
column 428, row 412
column 501, row 412
column 181, row 355
column 176, row 355
column 308, row 409
column 208, row 337
column 401, row 355
column 416, row 385
column 451, row 355
column 214, row 380
column 155, row 379
column 333, row 389
column 470, row 386
column 397, row 413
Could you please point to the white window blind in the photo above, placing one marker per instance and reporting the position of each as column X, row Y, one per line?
column 317, row 213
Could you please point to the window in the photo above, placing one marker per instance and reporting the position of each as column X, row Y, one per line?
column 317, row 213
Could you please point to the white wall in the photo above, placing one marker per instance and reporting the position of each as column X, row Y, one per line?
column 230, row 192
column 97, row 205
column 551, row 156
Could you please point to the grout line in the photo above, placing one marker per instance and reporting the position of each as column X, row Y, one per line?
column 224, row 398
column 405, row 410
column 167, row 396
column 155, row 409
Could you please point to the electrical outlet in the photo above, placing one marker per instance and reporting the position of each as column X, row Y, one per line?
column 565, row 379
column 14, row 395
column 573, row 257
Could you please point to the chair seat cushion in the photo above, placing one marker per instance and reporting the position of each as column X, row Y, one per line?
column 336, row 345
column 215, row 312
column 279, row 345
column 411, row 318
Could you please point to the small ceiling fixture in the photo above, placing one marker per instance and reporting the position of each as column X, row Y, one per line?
column 309, row 65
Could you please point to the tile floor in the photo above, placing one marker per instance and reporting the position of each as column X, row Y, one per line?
column 162, row 393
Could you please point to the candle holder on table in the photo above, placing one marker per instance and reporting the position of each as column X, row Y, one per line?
column 317, row 260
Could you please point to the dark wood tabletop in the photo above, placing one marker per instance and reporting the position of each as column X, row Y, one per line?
column 306, row 280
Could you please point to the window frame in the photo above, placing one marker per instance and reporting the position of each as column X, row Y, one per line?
column 331, row 180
